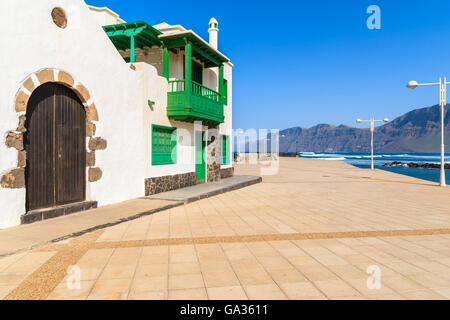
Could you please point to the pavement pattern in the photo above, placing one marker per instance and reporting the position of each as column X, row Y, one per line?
column 310, row 231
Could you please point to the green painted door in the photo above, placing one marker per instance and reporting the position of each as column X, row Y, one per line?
column 200, row 163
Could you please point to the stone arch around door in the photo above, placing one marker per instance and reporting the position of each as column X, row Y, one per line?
column 15, row 179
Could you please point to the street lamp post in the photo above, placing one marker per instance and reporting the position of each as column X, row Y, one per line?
column 372, row 129
column 442, row 103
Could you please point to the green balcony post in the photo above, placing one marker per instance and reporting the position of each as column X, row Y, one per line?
column 221, row 93
column 132, row 49
column 166, row 62
column 188, row 71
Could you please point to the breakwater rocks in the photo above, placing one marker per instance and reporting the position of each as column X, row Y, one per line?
column 416, row 165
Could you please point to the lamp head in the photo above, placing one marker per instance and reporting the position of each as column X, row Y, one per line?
column 386, row 120
column 358, row 120
column 412, row 84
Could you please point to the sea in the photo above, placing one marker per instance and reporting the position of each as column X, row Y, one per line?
column 362, row 160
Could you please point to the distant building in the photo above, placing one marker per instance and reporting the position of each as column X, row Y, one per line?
column 96, row 111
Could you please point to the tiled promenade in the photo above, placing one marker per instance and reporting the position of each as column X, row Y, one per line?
column 308, row 232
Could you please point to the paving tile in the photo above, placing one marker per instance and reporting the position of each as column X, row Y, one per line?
column 315, row 273
column 124, row 271
column 393, row 296
column 220, row 279
column 5, row 290
column 188, row 294
column 401, row 283
column 186, row 281
column 430, row 280
column 151, row 270
column 110, row 289
column 282, row 275
column 122, row 256
column 28, row 263
column 350, row 298
column 227, row 293
column 302, row 290
column 264, row 292
column 425, row 294
column 149, row 284
column 147, row 295
column 9, row 279
column 348, row 272
column 335, row 288
column 184, row 268
column 8, row 260
column 253, row 276
column 445, row 292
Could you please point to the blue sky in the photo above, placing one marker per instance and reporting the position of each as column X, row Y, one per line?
column 300, row 63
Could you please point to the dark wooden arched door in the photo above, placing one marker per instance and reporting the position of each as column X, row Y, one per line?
column 55, row 143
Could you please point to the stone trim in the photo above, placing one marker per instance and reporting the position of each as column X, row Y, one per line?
column 95, row 174
column 15, row 179
column 14, row 138
column 168, row 183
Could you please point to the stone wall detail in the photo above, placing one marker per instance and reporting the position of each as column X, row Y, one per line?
column 213, row 155
column 14, row 138
column 226, row 173
column 15, row 179
column 168, row 183
column 213, row 172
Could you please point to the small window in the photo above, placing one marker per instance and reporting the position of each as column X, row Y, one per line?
column 164, row 145
column 225, row 146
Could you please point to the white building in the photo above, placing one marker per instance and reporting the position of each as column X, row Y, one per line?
column 95, row 111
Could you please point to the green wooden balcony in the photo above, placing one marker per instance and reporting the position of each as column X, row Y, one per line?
column 198, row 103
column 189, row 100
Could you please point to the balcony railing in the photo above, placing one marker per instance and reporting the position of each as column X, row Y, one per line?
column 199, row 103
column 196, row 88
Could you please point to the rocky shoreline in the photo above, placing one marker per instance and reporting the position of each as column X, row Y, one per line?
column 416, row 165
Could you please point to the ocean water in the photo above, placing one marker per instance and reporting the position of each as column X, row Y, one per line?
column 362, row 160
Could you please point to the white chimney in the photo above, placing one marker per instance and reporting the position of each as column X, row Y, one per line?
column 213, row 32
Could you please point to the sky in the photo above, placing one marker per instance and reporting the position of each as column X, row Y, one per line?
column 302, row 63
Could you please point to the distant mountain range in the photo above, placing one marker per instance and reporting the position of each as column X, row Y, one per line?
column 415, row 131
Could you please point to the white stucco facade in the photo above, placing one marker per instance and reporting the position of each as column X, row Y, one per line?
column 119, row 94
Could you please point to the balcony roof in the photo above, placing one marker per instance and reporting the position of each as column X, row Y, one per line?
column 200, row 48
column 144, row 35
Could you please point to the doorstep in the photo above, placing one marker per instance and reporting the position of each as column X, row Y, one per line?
column 58, row 211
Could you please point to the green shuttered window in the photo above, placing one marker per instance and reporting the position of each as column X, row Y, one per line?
column 164, row 145
column 225, row 158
